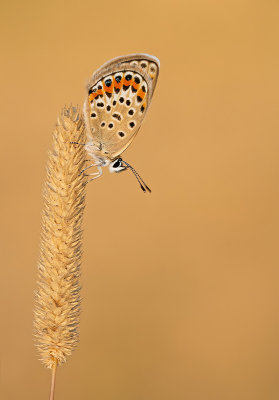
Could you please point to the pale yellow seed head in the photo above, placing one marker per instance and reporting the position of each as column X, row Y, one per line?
column 57, row 309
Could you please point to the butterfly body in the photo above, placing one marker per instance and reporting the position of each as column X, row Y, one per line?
column 118, row 96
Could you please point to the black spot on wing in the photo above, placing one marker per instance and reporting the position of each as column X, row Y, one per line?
column 108, row 82
column 117, row 116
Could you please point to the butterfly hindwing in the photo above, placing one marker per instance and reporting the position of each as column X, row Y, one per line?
column 117, row 104
column 119, row 94
column 147, row 63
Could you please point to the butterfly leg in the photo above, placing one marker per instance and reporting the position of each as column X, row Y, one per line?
column 97, row 174
column 90, row 166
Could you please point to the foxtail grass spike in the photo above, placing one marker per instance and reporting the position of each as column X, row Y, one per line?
column 57, row 309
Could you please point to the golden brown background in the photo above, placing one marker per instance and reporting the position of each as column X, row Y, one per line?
column 180, row 288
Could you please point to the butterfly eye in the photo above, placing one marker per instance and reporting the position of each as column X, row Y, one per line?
column 117, row 164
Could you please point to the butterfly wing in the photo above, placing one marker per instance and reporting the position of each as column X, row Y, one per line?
column 149, row 64
column 119, row 94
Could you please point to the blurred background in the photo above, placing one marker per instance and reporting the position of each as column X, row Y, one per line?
column 180, row 287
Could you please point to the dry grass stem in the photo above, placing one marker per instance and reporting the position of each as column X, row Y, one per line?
column 57, row 309
column 52, row 385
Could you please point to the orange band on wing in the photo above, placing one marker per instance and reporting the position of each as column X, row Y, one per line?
column 95, row 94
column 141, row 94
column 108, row 89
column 127, row 83
column 135, row 85
column 116, row 84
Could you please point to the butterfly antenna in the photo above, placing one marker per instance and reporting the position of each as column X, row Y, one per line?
column 143, row 185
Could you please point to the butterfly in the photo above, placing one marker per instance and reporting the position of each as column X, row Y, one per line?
column 119, row 94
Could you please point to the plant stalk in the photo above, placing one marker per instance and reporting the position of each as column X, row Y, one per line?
column 52, row 385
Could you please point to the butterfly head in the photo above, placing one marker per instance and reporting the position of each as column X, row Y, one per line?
column 119, row 165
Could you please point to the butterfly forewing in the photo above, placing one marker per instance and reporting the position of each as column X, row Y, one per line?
column 119, row 94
